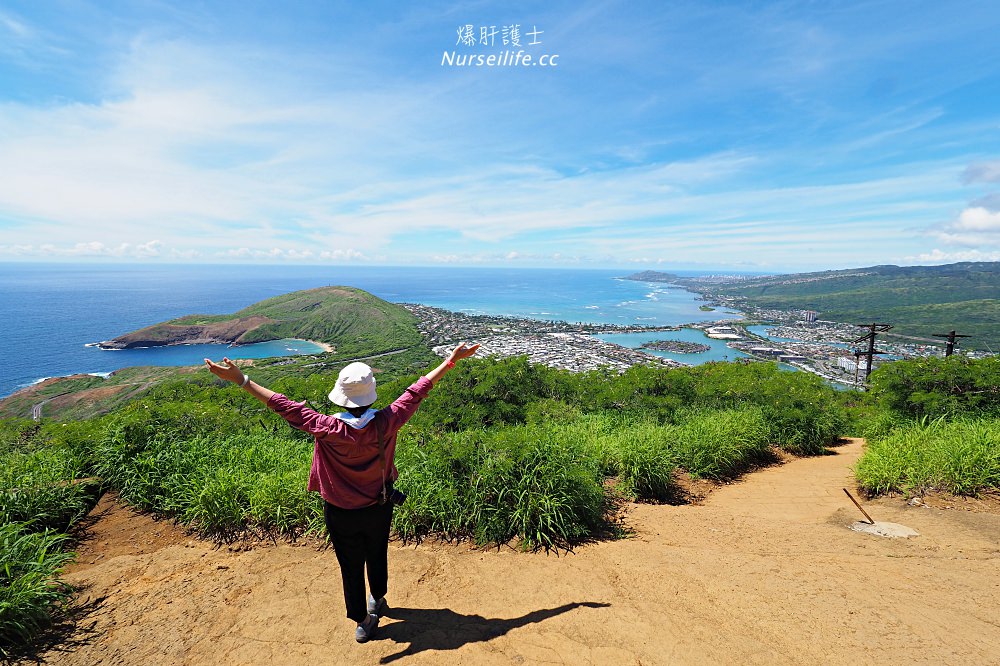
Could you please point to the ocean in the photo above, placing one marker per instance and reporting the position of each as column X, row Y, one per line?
column 55, row 311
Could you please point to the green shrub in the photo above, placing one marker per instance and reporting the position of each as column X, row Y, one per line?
column 480, row 393
column 937, row 386
column 961, row 457
column 881, row 424
column 802, row 411
column 549, row 410
column 642, row 391
column 645, row 468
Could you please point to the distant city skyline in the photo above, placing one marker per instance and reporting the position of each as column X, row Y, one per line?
column 758, row 137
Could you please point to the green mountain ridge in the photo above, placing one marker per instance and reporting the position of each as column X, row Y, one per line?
column 916, row 300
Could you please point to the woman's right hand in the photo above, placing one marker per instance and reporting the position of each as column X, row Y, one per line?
column 230, row 371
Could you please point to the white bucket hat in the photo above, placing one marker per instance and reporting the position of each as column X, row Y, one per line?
column 355, row 386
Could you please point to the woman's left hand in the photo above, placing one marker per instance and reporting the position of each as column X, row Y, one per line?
column 462, row 351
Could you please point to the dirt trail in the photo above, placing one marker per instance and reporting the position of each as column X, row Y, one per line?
column 766, row 571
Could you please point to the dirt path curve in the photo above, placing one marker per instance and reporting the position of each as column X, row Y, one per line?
column 765, row 572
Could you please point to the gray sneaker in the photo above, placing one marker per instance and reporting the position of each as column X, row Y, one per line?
column 366, row 630
column 376, row 607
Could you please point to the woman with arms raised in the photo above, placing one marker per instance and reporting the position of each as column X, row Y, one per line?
column 353, row 470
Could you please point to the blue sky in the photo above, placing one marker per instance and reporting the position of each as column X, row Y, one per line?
column 745, row 136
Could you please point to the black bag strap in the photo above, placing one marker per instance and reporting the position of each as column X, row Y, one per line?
column 380, row 428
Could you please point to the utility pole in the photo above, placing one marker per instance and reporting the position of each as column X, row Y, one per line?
column 951, row 335
column 873, row 330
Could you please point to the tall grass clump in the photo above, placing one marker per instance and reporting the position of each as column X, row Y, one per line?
column 41, row 479
column 721, row 443
column 707, row 443
column 42, row 493
column 882, row 423
column 536, row 484
column 220, row 485
column 31, row 593
column 961, row 457
column 44, row 487
column 636, row 453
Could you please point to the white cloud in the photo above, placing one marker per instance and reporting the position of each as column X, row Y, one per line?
column 343, row 255
column 446, row 259
column 150, row 249
column 978, row 219
column 937, row 256
column 84, row 249
column 232, row 154
column 14, row 27
column 975, row 227
column 291, row 254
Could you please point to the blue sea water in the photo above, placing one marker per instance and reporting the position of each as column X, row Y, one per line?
column 762, row 329
column 54, row 311
column 718, row 351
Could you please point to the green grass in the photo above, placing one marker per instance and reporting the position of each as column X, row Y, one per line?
column 43, row 487
column 721, row 444
column 538, row 485
column 542, row 484
column 41, row 496
column 528, row 459
column 960, row 457
column 221, row 486
column 31, row 593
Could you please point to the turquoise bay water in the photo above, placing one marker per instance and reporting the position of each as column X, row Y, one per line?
column 194, row 354
column 761, row 330
column 718, row 352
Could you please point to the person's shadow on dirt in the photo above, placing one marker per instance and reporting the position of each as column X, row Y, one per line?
column 443, row 629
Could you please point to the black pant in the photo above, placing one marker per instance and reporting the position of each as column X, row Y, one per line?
column 360, row 537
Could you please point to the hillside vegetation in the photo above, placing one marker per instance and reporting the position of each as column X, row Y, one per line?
column 350, row 319
column 917, row 300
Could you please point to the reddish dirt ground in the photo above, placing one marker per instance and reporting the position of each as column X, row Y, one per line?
column 764, row 571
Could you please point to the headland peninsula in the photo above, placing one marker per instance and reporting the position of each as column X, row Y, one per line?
column 329, row 316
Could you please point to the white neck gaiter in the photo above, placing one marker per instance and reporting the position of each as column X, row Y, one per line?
column 356, row 422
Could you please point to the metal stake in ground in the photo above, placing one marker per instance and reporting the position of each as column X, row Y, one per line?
column 859, row 506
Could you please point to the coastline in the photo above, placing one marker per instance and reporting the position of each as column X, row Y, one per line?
column 576, row 347
column 322, row 348
column 325, row 346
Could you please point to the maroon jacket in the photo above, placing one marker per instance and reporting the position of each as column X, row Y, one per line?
column 345, row 465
